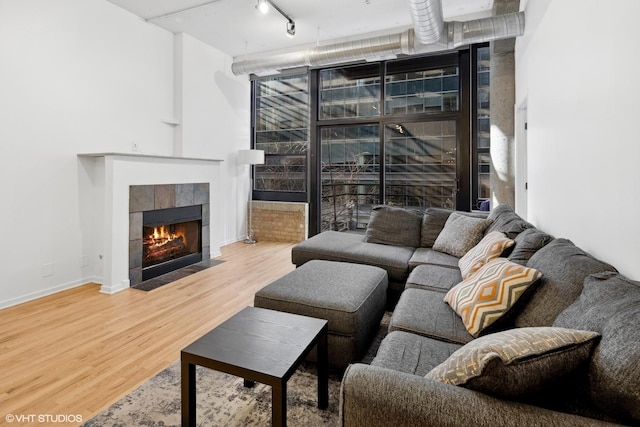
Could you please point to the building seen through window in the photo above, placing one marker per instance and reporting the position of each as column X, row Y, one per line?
column 411, row 132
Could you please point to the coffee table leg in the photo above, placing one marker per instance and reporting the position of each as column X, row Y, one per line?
column 188, row 382
column 323, row 370
column 279, row 404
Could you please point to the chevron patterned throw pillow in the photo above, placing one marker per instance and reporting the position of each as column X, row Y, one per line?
column 490, row 247
column 488, row 294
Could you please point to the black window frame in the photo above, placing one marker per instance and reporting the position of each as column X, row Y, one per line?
column 466, row 119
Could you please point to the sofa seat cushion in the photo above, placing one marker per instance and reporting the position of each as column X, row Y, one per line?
column 390, row 225
column 424, row 312
column 411, row 353
column 434, row 278
column 564, row 267
column 349, row 247
column 610, row 304
column 519, row 364
column 429, row 256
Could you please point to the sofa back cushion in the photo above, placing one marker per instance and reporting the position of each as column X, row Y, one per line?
column 564, row 267
column 433, row 221
column 505, row 220
column 610, row 305
column 395, row 226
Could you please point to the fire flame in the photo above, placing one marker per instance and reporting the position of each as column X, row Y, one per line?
column 161, row 236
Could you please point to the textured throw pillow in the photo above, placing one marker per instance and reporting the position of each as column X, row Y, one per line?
column 487, row 295
column 460, row 233
column 490, row 247
column 518, row 363
column 610, row 304
column 527, row 244
column 395, row 226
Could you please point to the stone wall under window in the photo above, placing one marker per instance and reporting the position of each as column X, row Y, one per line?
column 280, row 221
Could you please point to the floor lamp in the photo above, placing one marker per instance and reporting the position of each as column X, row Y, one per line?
column 251, row 157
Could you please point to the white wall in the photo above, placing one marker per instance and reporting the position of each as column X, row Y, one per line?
column 576, row 73
column 215, row 117
column 82, row 76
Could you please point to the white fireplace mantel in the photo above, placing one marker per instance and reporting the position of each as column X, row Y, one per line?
column 104, row 188
column 150, row 156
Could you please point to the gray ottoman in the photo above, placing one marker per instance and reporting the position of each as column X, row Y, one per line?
column 352, row 297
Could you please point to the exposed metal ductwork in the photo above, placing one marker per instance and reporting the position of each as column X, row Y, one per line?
column 427, row 18
column 483, row 30
column 373, row 48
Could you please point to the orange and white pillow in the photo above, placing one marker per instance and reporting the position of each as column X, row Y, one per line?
column 488, row 294
column 490, row 247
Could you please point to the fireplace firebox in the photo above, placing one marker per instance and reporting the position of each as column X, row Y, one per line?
column 171, row 239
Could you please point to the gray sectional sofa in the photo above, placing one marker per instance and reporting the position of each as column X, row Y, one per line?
column 563, row 350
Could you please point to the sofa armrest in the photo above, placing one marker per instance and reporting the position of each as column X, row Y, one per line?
column 373, row 396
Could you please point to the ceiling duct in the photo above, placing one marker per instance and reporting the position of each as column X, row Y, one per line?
column 427, row 20
column 442, row 36
column 320, row 56
column 484, row 30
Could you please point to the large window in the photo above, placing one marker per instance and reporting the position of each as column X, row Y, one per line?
column 420, row 164
column 282, row 131
column 408, row 132
column 404, row 154
column 350, row 175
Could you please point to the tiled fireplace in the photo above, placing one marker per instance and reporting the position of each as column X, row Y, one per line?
column 168, row 228
column 117, row 189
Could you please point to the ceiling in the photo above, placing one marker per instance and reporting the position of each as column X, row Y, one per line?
column 237, row 28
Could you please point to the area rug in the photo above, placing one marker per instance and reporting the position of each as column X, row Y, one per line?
column 165, row 279
column 222, row 400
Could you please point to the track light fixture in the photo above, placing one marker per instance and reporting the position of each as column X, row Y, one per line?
column 291, row 28
column 263, row 6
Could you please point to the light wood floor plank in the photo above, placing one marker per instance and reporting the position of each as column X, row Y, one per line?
column 78, row 351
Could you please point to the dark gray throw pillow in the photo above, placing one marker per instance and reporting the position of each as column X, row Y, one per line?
column 610, row 305
column 507, row 221
column 528, row 243
column 390, row 225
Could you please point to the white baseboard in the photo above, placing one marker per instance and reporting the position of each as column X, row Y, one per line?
column 117, row 287
column 45, row 292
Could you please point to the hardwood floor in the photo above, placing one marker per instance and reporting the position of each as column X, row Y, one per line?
column 78, row 351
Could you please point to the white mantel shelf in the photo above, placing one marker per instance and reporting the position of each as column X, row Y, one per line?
column 148, row 156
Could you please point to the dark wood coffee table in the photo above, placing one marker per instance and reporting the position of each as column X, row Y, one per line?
column 260, row 345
